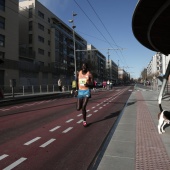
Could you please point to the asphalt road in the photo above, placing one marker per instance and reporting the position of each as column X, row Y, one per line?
column 48, row 134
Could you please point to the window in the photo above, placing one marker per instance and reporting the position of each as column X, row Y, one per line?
column 2, row 22
column 41, row 27
column 41, row 51
column 40, row 39
column 40, row 14
column 30, row 51
column 48, row 20
column 2, row 40
column 48, row 31
column 49, row 42
column 2, row 55
column 30, row 38
column 2, row 5
column 30, row 25
column 30, row 12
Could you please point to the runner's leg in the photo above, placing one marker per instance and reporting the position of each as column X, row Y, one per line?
column 79, row 103
column 85, row 101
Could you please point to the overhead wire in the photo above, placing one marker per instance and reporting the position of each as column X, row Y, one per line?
column 105, row 28
column 97, row 28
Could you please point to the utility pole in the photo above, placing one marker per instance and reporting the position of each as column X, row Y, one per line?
column 108, row 65
column 74, row 42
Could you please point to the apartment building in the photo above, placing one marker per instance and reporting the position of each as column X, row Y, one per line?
column 158, row 64
column 123, row 76
column 9, row 40
column 97, row 63
column 112, row 71
column 46, row 46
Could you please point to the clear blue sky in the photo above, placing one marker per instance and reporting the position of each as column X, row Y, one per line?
column 110, row 28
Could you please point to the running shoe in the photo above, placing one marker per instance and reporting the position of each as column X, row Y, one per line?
column 84, row 123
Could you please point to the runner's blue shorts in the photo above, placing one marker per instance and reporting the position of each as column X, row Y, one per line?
column 83, row 93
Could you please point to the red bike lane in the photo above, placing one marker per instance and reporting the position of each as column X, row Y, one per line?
column 72, row 149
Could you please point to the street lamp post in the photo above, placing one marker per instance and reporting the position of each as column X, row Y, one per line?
column 74, row 41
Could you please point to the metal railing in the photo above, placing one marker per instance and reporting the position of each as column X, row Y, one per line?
column 33, row 89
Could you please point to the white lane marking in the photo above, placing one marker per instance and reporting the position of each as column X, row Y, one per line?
column 100, row 107
column 87, row 110
column 97, row 104
column 57, row 127
column 130, row 90
column 3, row 156
column 30, row 104
column 93, row 107
column 69, row 120
column 89, row 115
column 47, row 143
column 18, row 106
column 31, row 141
column 79, row 114
column 13, row 165
column 80, row 121
column 67, row 130
column 4, row 109
column 104, row 105
column 95, row 110
column 41, row 102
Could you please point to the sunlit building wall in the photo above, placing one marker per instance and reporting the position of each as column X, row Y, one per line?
column 46, row 43
column 97, row 63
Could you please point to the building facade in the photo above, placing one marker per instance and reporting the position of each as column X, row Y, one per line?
column 46, row 45
column 39, row 49
column 9, row 40
column 158, row 64
column 112, row 71
column 97, row 63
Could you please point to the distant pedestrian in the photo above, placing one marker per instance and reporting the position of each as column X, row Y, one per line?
column 60, row 85
column 73, row 91
column 94, row 87
column 104, row 84
column 108, row 85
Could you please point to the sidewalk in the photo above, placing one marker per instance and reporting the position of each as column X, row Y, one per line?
column 134, row 144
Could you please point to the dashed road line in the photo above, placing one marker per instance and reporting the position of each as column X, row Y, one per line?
column 31, row 141
column 69, row 120
column 4, row 109
column 47, row 143
column 80, row 121
column 79, row 114
column 18, row 107
column 3, row 156
column 89, row 115
column 95, row 110
column 13, row 165
column 67, row 130
column 57, row 127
